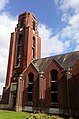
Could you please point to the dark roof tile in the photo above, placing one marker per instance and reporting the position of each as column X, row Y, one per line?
column 65, row 60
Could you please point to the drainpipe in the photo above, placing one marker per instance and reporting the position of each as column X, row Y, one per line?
column 68, row 75
column 40, row 90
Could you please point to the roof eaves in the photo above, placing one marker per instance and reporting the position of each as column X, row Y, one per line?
column 57, row 62
column 34, row 66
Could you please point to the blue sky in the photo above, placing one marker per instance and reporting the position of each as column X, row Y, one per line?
column 58, row 26
column 43, row 10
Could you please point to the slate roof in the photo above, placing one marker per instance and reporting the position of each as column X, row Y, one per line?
column 65, row 60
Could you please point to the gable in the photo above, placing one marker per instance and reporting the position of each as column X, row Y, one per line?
column 75, row 68
column 64, row 60
column 30, row 68
column 53, row 65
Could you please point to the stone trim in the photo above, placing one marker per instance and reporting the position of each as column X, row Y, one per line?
column 47, row 110
column 28, row 108
column 4, row 106
column 18, row 108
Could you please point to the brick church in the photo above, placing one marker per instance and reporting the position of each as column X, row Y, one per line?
column 33, row 83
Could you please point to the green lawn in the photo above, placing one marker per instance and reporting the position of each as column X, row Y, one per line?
column 13, row 115
column 24, row 115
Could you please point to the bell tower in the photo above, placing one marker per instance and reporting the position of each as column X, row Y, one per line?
column 28, row 36
column 25, row 46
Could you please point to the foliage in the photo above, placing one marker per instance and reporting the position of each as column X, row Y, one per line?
column 24, row 115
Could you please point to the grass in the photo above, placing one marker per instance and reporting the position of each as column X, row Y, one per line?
column 24, row 115
column 13, row 115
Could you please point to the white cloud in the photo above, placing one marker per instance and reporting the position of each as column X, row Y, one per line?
column 70, row 16
column 71, row 30
column 3, row 4
column 4, row 36
column 7, row 25
column 50, row 44
column 74, row 20
column 67, row 43
column 77, row 47
column 1, row 88
column 66, row 4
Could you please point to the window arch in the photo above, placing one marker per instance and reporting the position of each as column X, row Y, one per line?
column 30, row 86
column 21, row 22
column 54, row 93
column 34, row 25
column 33, row 47
column 19, row 50
column 31, row 77
column 33, row 41
column 54, row 74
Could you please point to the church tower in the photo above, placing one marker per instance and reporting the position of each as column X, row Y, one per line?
column 25, row 46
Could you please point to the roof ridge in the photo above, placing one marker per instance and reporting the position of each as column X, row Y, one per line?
column 65, row 60
column 55, row 55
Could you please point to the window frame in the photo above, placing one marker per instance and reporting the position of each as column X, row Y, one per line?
column 30, row 83
column 54, row 78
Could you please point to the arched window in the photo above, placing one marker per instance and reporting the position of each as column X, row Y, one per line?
column 19, row 50
column 54, row 74
column 33, row 53
column 33, row 41
column 21, row 22
column 54, row 94
column 34, row 25
column 30, row 86
column 33, row 47
column 31, row 77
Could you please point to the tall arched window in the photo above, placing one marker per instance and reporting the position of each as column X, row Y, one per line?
column 34, row 25
column 54, row 95
column 21, row 22
column 33, row 41
column 19, row 50
column 30, row 86
column 33, row 47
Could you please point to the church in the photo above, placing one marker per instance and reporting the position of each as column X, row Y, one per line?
column 33, row 83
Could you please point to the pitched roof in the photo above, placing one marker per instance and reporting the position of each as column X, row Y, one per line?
column 65, row 60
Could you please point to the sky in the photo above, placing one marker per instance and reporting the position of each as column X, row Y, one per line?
column 58, row 26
